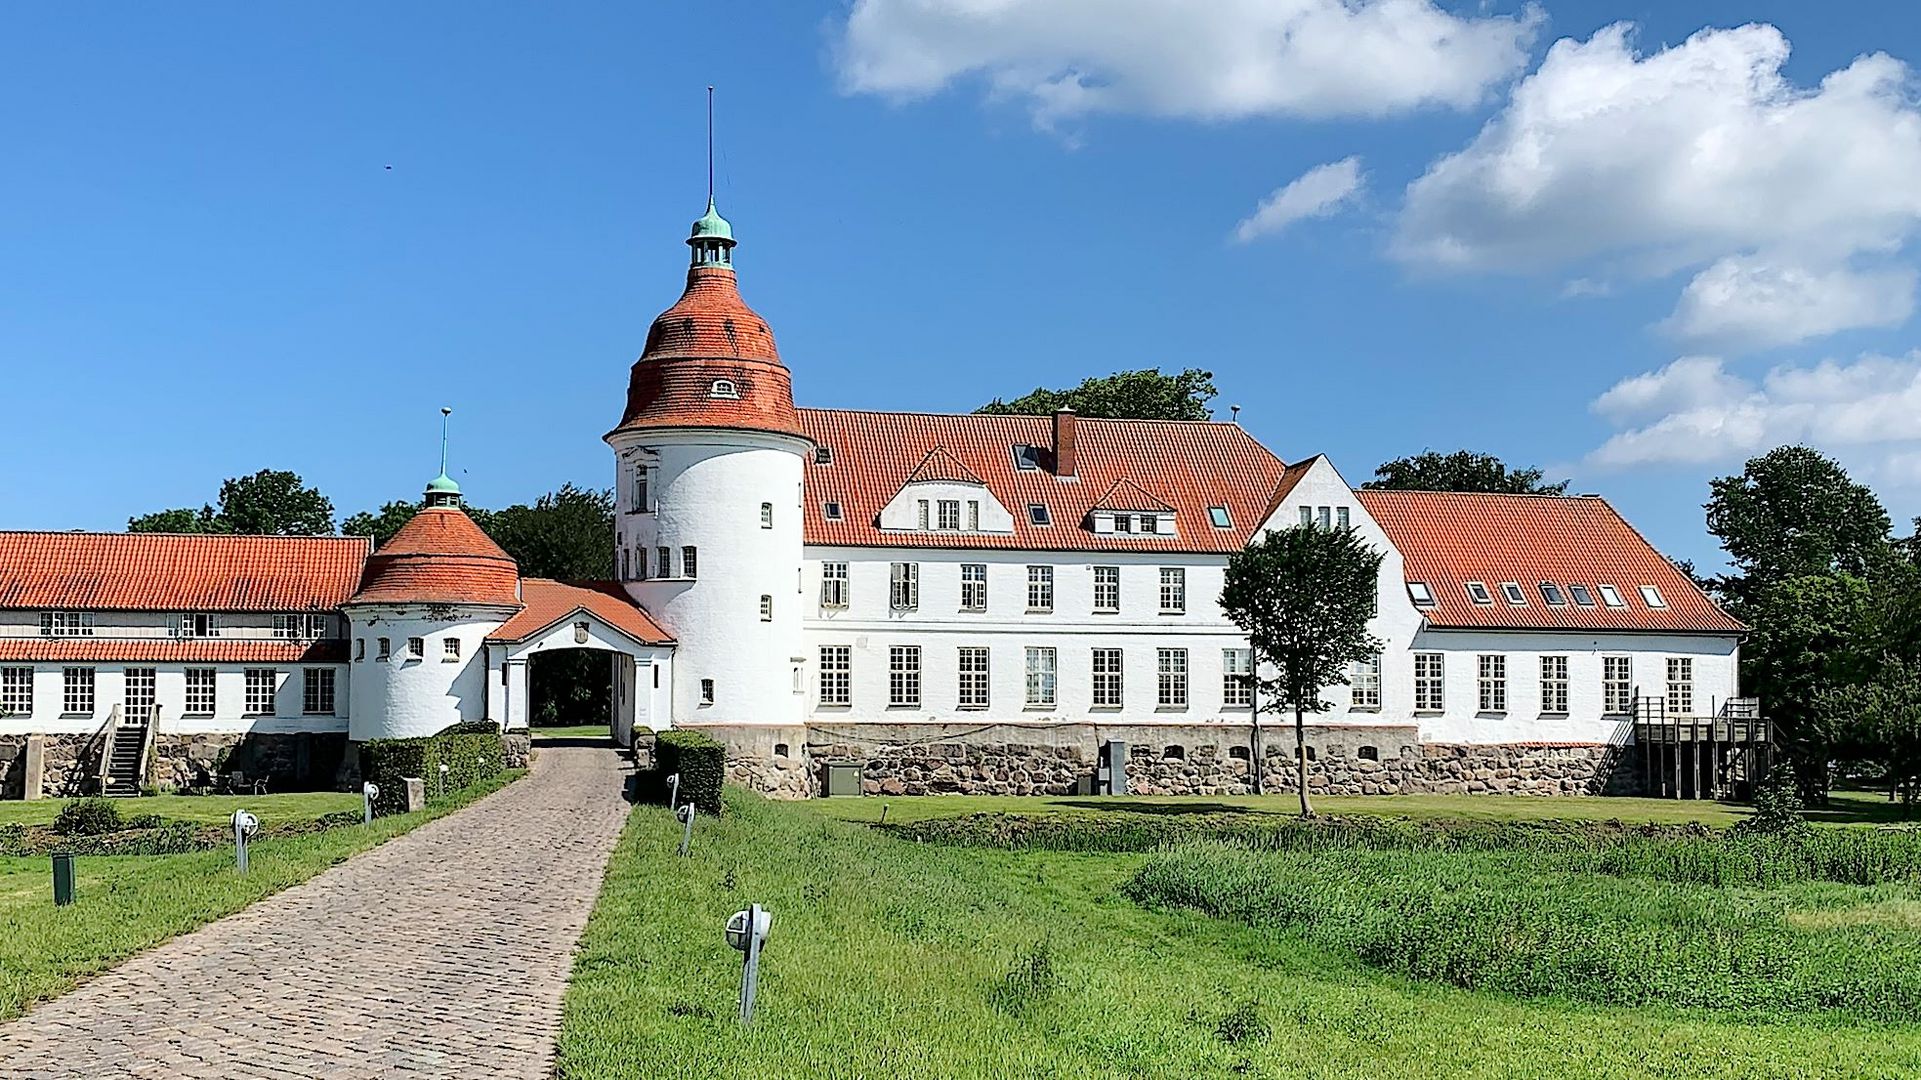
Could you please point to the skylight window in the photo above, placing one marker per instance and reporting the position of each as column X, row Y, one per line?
column 1611, row 596
column 1581, row 595
column 1551, row 593
column 1037, row 513
column 830, row 510
column 1512, row 590
column 1477, row 592
column 1420, row 594
column 1026, row 458
column 1218, row 515
column 823, row 455
column 1652, row 597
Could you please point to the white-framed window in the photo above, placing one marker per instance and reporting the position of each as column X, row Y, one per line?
column 416, row 648
column 1026, row 458
column 664, row 560
column 317, row 691
column 903, row 676
column 1581, row 595
column 1324, row 517
column 921, row 518
column 1477, row 592
column 1364, row 683
column 16, row 691
column 973, row 596
column 1617, row 685
column 1123, row 523
column 66, row 624
column 823, row 455
column 830, row 510
column 1040, row 588
column 833, row 584
column 261, row 683
column 1150, row 523
column 1552, row 595
column 949, row 514
column 1493, row 682
column 450, row 650
column 1341, row 518
column 385, row 650
column 1171, row 683
column 1611, row 596
column 1107, row 589
column 1554, row 685
column 1418, row 592
column 300, row 626
column 200, row 691
column 973, row 515
column 199, row 624
column 1680, row 686
column 1430, row 682
column 141, row 692
column 1173, row 590
column 903, row 592
column 766, row 515
column 1218, row 517
column 640, row 491
column 724, row 388
column 706, row 691
column 77, row 691
column 1307, row 515
column 1038, row 514
column 1237, row 674
column 1512, row 590
column 766, row 607
column 1106, row 669
column 1651, row 596
column 1042, row 672
column 972, row 691
column 689, row 562
column 836, row 675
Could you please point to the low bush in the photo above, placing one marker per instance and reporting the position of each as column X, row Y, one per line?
column 1495, row 922
column 472, row 753
column 88, row 817
column 700, row 761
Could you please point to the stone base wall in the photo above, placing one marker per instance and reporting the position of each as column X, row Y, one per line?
column 288, row 761
column 70, row 765
column 1211, row 759
column 518, row 747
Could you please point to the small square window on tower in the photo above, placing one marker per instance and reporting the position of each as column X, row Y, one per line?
column 706, row 691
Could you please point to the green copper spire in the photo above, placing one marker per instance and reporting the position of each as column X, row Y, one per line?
column 713, row 236
column 441, row 490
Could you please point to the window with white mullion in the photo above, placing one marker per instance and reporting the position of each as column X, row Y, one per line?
column 261, row 684
column 903, row 676
column 200, row 691
column 1173, row 590
column 836, row 675
column 1171, row 669
column 77, row 685
column 1107, row 589
column 973, row 595
column 1493, row 682
column 1364, row 683
column 1040, row 589
column 1680, row 686
column 1617, row 685
column 138, row 694
column 317, row 691
column 973, row 682
column 1107, row 685
column 1237, row 678
column 1554, row 685
column 833, row 584
column 1430, row 682
column 904, row 586
column 1042, row 672
column 949, row 514
column 16, row 691
column 66, row 624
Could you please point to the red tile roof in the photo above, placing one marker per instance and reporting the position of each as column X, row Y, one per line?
column 440, row 557
column 939, row 465
column 173, row 572
column 1125, row 494
column 1193, row 465
column 1450, row 538
column 168, row 650
column 709, row 335
column 549, row 602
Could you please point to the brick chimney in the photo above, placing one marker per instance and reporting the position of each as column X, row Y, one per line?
column 1065, row 463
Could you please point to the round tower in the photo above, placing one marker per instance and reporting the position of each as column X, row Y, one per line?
column 427, row 601
column 707, row 524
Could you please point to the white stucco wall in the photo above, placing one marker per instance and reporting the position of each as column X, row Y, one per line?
column 170, row 695
column 404, row 697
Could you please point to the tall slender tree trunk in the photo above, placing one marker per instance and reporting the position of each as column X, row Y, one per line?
column 1255, row 760
column 1300, row 760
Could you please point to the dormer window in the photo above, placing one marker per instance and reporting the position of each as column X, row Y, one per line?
column 1418, row 592
column 1611, row 596
column 1551, row 593
column 724, row 388
column 823, row 455
column 1026, row 458
column 199, row 624
column 949, row 514
column 1581, row 595
column 830, row 510
column 1217, row 516
column 1123, row 523
column 1150, row 523
column 1477, row 592
column 1037, row 513
column 1651, row 596
column 1512, row 590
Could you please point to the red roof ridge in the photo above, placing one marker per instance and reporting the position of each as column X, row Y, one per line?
column 941, row 465
column 1080, row 418
column 1129, row 484
column 548, row 601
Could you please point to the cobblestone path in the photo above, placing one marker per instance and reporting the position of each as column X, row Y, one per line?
column 441, row 953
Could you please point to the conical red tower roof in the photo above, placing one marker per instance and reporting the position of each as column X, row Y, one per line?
column 440, row 557
column 710, row 360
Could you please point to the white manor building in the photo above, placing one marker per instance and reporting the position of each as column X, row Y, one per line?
column 940, row 602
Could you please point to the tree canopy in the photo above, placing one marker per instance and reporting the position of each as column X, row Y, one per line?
column 380, row 524
column 271, row 502
column 1793, row 512
column 1125, row 395
column 1304, row 596
column 1463, row 470
column 565, row 534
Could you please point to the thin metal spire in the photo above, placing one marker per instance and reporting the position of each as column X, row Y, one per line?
column 710, row 146
column 444, row 413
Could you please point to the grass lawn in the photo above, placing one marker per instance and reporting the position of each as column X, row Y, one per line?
column 574, row 731
column 199, row 809
column 125, row 904
column 897, row 959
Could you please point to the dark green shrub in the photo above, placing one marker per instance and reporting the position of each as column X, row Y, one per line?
column 144, row 821
column 1777, row 805
column 700, row 761
column 471, row 727
column 472, row 753
column 13, row 839
column 88, row 817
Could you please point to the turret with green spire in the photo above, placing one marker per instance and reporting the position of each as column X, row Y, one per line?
column 712, row 239
column 441, row 490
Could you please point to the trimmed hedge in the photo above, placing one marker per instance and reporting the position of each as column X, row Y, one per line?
column 700, row 761
column 472, row 752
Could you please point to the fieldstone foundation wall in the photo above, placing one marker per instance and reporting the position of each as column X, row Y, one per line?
column 1212, row 759
column 70, row 765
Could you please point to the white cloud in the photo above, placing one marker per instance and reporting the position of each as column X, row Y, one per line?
column 1694, row 411
column 1217, row 59
column 1317, row 192
column 1697, row 154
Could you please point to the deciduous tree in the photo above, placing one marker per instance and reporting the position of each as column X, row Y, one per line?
column 1463, row 470
column 1794, row 512
column 380, row 524
column 271, row 502
column 1124, row 395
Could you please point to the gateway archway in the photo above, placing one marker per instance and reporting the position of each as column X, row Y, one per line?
column 588, row 616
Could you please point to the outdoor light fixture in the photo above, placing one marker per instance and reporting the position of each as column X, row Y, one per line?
column 673, row 791
column 686, row 816
column 443, row 779
column 369, row 791
column 62, row 878
column 244, row 826
column 747, row 931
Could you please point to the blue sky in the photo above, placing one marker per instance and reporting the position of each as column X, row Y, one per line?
column 238, row 238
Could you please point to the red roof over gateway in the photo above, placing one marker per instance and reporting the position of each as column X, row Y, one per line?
column 178, row 572
column 1451, row 538
column 548, row 602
